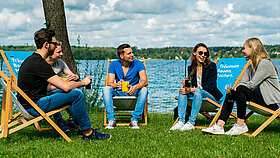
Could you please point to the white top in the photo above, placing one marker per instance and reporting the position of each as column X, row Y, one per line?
column 199, row 80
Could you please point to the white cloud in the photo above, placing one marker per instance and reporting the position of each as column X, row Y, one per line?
column 148, row 23
column 13, row 20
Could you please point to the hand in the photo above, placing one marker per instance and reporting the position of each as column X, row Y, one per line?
column 184, row 91
column 231, row 89
column 87, row 80
column 131, row 90
column 119, row 84
column 72, row 77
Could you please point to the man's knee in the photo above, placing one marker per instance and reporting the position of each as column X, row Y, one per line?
column 107, row 89
column 144, row 91
column 77, row 92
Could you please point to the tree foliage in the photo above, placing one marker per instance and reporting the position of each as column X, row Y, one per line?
column 103, row 53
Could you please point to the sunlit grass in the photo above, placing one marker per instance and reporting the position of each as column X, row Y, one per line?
column 154, row 140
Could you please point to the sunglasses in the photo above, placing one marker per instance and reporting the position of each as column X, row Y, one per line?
column 205, row 53
column 54, row 43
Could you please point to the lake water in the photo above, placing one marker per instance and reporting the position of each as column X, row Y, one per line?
column 164, row 78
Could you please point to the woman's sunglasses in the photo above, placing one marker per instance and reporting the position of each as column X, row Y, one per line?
column 205, row 53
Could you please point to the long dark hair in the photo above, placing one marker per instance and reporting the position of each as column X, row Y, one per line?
column 206, row 62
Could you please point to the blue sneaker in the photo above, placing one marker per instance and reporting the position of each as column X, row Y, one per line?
column 95, row 135
column 63, row 126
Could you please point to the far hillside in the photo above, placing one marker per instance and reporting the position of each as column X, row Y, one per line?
column 101, row 53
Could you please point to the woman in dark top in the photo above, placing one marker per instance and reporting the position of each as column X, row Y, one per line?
column 203, row 75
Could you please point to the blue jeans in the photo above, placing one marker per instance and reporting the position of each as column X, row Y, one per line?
column 58, row 98
column 198, row 95
column 109, row 92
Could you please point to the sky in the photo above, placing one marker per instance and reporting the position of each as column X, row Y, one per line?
column 147, row 23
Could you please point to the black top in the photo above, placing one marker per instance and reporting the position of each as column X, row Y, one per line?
column 209, row 78
column 32, row 78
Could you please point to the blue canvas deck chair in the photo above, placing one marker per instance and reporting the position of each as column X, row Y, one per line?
column 124, row 105
column 230, row 72
column 11, row 123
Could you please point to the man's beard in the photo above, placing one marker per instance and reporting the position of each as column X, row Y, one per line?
column 50, row 52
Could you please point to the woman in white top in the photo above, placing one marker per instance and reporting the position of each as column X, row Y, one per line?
column 203, row 75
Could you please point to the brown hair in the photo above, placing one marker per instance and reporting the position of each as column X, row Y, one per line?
column 258, row 53
column 206, row 62
column 120, row 49
column 43, row 35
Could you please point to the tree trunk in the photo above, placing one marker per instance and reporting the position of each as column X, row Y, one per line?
column 55, row 20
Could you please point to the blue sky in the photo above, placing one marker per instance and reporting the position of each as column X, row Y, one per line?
column 148, row 23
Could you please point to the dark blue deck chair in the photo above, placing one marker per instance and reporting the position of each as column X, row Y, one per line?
column 230, row 72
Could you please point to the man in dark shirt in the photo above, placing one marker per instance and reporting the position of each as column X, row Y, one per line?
column 36, row 77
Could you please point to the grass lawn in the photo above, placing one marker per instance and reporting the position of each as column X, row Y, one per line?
column 154, row 140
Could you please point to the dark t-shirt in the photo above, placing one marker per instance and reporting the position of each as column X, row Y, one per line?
column 32, row 78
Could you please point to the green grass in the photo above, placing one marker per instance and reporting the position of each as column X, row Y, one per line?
column 154, row 140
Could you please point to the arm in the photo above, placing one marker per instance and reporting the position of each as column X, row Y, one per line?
column 51, row 87
column 67, row 86
column 71, row 76
column 264, row 70
column 141, row 84
column 110, row 81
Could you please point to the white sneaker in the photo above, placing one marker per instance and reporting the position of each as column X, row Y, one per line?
column 111, row 124
column 188, row 126
column 177, row 126
column 133, row 125
column 236, row 129
column 214, row 130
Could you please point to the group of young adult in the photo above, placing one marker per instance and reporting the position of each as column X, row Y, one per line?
column 38, row 78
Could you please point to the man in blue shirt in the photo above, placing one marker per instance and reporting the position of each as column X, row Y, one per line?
column 125, row 69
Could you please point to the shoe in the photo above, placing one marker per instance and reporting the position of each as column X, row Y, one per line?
column 177, row 126
column 63, row 126
column 214, row 130
column 133, row 125
column 95, row 135
column 188, row 126
column 80, row 133
column 72, row 123
column 236, row 129
column 111, row 124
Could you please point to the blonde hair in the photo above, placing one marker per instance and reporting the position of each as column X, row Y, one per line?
column 258, row 53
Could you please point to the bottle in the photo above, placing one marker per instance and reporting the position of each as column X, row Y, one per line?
column 89, row 85
column 188, row 83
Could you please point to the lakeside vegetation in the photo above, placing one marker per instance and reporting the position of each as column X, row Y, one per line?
column 102, row 53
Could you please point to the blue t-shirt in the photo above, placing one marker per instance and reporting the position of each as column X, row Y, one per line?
column 132, row 75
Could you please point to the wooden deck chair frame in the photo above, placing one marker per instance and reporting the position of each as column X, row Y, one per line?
column 144, row 116
column 14, row 79
column 8, row 124
column 219, row 106
column 263, row 111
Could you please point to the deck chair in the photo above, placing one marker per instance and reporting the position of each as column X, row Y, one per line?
column 13, row 60
column 256, row 108
column 230, row 72
column 10, row 124
column 124, row 105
